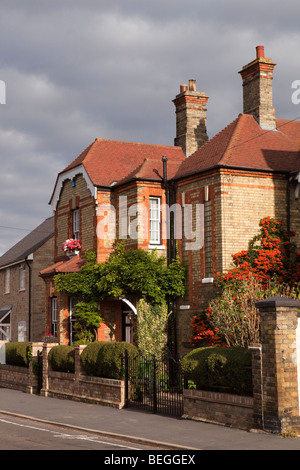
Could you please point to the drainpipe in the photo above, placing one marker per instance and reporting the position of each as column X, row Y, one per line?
column 29, row 298
column 288, row 209
column 167, row 189
column 170, row 257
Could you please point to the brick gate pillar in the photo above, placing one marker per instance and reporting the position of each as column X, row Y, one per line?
column 275, row 384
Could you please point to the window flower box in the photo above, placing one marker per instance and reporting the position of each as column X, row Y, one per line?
column 71, row 247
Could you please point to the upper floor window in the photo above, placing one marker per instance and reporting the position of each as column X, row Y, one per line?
column 155, row 220
column 76, row 224
column 7, row 281
column 22, row 276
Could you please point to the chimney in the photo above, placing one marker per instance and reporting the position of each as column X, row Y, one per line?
column 190, row 118
column 257, row 79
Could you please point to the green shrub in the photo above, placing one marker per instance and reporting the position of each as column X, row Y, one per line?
column 18, row 354
column 62, row 358
column 220, row 369
column 105, row 359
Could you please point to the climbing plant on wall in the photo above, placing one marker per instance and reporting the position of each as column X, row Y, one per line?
column 126, row 272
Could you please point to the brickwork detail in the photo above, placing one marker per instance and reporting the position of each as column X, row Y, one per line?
column 190, row 119
column 220, row 408
column 275, row 375
column 73, row 386
column 257, row 90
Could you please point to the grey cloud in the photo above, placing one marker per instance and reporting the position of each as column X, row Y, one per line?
column 77, row 70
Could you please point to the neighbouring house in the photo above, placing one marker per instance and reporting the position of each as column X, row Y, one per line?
column 22, row 291
column 217, row 190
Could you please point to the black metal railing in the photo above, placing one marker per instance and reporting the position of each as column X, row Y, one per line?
column 40, row 370
column 154, row 384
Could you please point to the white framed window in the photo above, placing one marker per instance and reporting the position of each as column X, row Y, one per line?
column 7, row 281
column 76, row 224
column 154, row 220
column 22, row 331
column 22, row 276
column 54, row 316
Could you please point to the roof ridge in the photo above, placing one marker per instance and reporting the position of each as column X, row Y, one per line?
column 134, row 143
column 79, row 158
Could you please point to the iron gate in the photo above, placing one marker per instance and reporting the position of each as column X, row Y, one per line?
column 40, row 370
column 154, row 385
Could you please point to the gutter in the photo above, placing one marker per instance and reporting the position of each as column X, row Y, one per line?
column 167, row 190
column 230, row 167
column 288, row 211
column 13, row 264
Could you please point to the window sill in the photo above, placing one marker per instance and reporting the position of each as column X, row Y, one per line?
column 158, row 247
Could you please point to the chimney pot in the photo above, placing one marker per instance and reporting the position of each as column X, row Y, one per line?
column 260, row 52
column 192, row 85
column 183, row 88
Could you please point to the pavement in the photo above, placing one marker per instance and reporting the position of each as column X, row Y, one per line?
column 161, row 432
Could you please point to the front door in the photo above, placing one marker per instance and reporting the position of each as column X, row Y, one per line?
column 128, row 326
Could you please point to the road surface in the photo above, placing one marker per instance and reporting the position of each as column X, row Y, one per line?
column 22, row 434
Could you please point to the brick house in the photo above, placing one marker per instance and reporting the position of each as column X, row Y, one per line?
column 112, row 190
column 246, row 172
column 22, row 291
column 219, row 189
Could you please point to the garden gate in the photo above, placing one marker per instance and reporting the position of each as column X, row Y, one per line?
column 40, row 370
column 154, row 385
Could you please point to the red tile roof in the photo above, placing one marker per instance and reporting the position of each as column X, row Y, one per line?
column 111, row 161
column 71, row 265
column 244, row 144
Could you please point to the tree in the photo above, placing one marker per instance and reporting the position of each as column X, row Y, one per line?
column 152, row 328
column 269, row 267
column 271, row 255
column 140, row 273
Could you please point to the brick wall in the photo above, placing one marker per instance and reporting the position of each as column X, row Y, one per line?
column 235, row 202
column 43, row 257
column 78, row 386
column 220, row 408
column 73, row 386
column 276, row 366
column 19, row 299
column 75, row 197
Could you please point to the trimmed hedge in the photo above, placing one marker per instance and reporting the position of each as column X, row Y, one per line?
column 18, row 354
column 62, row 358
column 220, row 369
column 105, row 359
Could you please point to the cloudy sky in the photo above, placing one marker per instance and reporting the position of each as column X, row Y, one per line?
column 75, row 70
